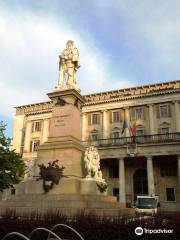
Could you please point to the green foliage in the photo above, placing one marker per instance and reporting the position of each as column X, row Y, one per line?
column 11, row 165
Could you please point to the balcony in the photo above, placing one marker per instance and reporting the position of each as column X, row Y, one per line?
column 144, row 139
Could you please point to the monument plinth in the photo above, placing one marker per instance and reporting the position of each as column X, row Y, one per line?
column 64, row 141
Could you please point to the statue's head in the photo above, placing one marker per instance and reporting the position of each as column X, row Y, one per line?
column 69, row 44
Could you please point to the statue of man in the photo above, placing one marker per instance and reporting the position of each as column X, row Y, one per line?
column 68, row 65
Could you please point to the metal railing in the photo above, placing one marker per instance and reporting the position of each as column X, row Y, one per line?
column 144, row 139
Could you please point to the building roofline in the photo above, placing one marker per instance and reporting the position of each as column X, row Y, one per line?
column 33, row 104
column 116, row 91
column 134, row 88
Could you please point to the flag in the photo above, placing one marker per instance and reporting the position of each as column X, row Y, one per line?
column 125, row 125
column 132, row 129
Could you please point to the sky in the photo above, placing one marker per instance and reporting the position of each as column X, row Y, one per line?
column 121, row 43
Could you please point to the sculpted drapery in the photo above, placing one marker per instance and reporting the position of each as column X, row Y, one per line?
column 68, row 65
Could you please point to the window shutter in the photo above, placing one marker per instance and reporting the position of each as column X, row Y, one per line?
column 38, row 144
column 110, row 116
column 89, row 119
column 159, row 130
column 132, row 114
column 98, row 118
column 169, row 110
column 121, row 115
column 158, row 111
column 144, row 109
column 30, row 146
column 40, row 125
column 32, row 127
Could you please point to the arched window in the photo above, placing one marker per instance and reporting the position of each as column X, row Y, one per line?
column 164, row 128
column 94, row 136
column 140, row 130
column 116, row 132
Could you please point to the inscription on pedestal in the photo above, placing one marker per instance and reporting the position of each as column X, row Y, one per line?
column 63, row 119
column 60, row 120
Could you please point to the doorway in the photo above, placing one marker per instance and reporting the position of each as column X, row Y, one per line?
column 140, row 182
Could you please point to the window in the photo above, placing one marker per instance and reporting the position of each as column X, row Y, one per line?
column 95, row 118
column 115, row 134
column 36, row 126
column 34, row 145
column 168, row 171
column 139, row 113
column 164, row 111
column 116, row 193
column 113, row 172
column 165, row 130
column 139, row 132
column 170, row 194
column 116, row 116
column 94, row 137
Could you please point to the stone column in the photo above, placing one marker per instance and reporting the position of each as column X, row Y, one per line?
column 104, row 125
column 84, row 126
column 150, row 175
column 126, row 115
column 27, row 136
column 151, row 120
column 122, row 192
column 177, row 116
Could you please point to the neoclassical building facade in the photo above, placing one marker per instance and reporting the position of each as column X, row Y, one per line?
column 144, row 163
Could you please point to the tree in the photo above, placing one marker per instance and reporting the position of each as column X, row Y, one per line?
column 11, row 165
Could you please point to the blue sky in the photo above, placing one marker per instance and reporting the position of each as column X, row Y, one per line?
column 121, row 44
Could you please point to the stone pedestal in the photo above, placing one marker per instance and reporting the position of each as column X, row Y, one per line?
column 89, row 187
column 64, row 141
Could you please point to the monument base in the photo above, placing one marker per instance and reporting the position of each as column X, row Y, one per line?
column 66, row 186
column 71, row 196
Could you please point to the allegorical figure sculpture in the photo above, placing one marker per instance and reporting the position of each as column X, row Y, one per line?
column 68, row 65
column 92, row 163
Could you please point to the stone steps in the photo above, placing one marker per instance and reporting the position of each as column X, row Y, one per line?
column 60, row 203
column 61, row 197
column 66, row 204
column 24, row 211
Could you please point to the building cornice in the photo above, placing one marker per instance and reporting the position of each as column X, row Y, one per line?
column 132, row 93
column 36, row 108
column 108, row 97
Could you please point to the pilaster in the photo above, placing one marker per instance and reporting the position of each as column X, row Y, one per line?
column 27, row 136
column 105, row 127
column 84, row 126
column 126, row 115
column 151, row 120
column 177, row 116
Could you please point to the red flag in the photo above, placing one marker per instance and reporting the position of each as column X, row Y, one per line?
column 133, row 129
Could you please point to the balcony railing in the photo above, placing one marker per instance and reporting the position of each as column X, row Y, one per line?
column 144, row 139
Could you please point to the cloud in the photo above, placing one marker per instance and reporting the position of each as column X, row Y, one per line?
column 150, row 30
column 29, row 44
